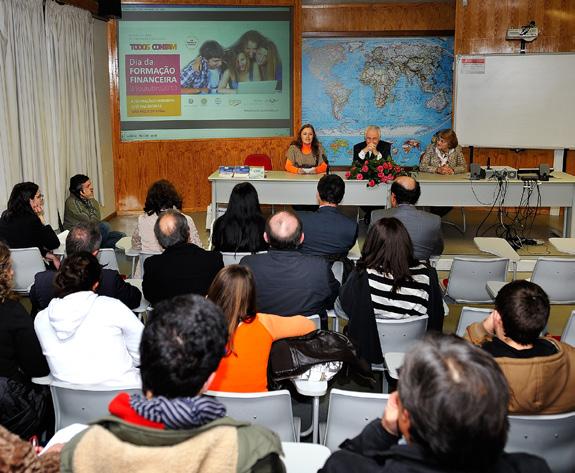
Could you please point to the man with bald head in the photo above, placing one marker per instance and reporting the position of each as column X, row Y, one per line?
column 424, row 228
column 183, row 268
column 287, row 281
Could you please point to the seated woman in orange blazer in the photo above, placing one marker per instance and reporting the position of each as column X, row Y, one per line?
column 306, row 154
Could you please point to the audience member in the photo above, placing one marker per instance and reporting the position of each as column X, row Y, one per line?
column 424, row 228
column 22, row 224
column 82, row 207
column 183, row 267
column 24, row 407
column 288, row 282
column 305, row 154
column 173, row 425
column 162, row 195
column 540, row 370
column 328, row 232
column 250, row 334
column 84, row 237
column 450, row 407
column 387, row 283
column 87, row 338
column 241, row 228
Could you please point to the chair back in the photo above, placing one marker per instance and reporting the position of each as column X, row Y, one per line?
column 469, row 276
column 551, row 437
column 259, row 160
column 316, row 320
column 398, row 335
column 302, row 457
column 107, row 258
column 79, row 404
column 470, row 315
column 270, row 409
column 557, row 278
column 568, row 335
column 26, row 262
column 231, row 257
column 144, row 257
column 337, row 270
column 349, row 412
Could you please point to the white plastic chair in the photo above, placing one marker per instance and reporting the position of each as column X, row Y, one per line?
column 142, row 310
column 125, row 244
column 398, row 335
column 557, row 278
column 83, row 404
column 349, row 412
column 235, row 257
column 337, row 270
column 107, row 258
column 144, row 257
column 568, row 335
column 271, row 409
column 316, row 320
column 26, row 262
column 304, row 457
column 551, row 437
column 468, row 279
column 470, row 315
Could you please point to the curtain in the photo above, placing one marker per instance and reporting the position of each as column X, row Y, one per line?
column 48, row 116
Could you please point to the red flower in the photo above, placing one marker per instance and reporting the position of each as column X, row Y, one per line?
column 347, row 174
column 371, row 183
column 364, row 169
column 380, row 168
column 366, row 162
column 359, row 177
column 397, row 168
column 380, row 175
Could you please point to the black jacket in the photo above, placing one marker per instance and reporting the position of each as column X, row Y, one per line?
column 289, row 283
column 376, row 451
column 27, row 231
column 383, row 147
column 180, row 269
column 111, row 285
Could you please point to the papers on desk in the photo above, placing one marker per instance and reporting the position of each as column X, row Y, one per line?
column 242, row 172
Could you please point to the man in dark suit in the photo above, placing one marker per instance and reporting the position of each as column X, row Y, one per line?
column 327, row 231
column 288, row 282
column 372, row 147
column 183, row 268
column 84, row 237
column 424, row 228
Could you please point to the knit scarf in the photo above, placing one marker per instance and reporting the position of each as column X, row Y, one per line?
column 180, row 412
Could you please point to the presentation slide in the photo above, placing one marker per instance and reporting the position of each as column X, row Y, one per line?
column 191, row 72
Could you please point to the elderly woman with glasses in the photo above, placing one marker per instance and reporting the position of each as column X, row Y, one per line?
column 443, row 155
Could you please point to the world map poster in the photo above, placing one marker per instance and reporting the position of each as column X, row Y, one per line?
column 403, row 85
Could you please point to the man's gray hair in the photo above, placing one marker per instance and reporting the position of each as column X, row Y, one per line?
column 178, row 233
column 373, row 128
column 83, row 237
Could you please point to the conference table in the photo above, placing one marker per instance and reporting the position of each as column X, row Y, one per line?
column 281, row 187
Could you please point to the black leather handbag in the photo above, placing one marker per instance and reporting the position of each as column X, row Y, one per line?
column 290, row 357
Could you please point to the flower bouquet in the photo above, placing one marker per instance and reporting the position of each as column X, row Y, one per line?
column 374, row 171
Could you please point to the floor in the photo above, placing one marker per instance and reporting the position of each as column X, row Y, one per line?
column 479, row 223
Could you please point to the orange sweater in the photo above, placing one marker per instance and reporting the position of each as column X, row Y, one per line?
column 305, row 151
column 245, row 370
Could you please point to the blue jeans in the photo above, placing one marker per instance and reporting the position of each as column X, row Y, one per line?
column 109, row 236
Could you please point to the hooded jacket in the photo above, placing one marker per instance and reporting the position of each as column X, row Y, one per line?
column 90, row 339
column 538, row 385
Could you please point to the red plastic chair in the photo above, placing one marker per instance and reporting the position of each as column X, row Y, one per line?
column 259, row 160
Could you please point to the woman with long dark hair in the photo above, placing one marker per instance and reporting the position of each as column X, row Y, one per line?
column 306, row 154
column 24, row 407
column 388, row 283
column 23, row 225
column 241, row 228
column 162, row 195
column 251, row 334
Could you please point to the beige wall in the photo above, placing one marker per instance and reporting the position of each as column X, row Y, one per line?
column 102, row 80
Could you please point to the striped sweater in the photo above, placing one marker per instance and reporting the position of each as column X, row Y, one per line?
column 412, row 299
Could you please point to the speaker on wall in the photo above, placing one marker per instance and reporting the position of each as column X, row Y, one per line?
column 110, row 9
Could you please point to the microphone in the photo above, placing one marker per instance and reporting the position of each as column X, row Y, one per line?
column 488, row 162
column 326, row 161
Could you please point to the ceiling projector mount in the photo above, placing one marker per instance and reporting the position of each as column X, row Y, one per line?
column 525, row 34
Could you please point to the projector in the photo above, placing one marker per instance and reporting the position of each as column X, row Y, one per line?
column 500, row 172
column 527, row 33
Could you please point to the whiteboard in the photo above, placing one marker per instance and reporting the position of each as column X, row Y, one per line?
column 515, row 101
